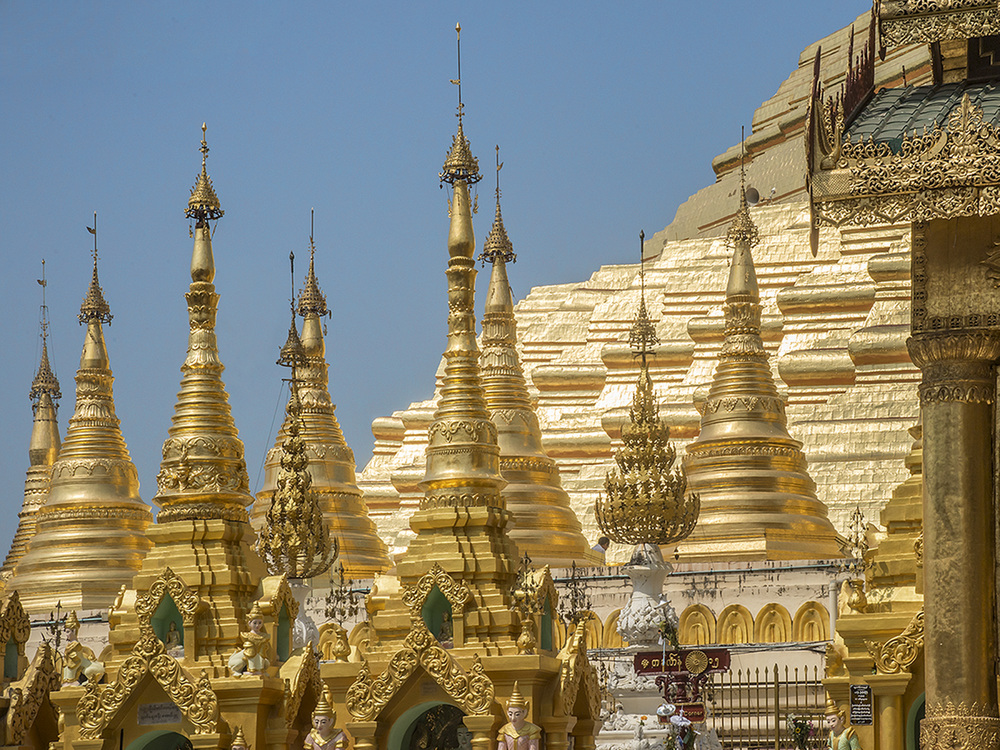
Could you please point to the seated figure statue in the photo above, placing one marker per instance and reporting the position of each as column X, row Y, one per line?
column 518, row 733
column 79, row 662
column 253, row 656
column 324, row 734
column 842, row 735
column 173, row 641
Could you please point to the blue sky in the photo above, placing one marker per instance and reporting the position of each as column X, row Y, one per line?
column 607, row 114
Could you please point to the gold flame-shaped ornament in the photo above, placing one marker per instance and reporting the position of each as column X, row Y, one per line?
column 645, row 499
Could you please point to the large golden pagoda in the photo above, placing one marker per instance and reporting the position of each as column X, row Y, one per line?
column 201, row 640
column 90, row 533
column 545, row 527
column 42, row 450
column 331, row 460
column 758, row 501
column 446, row 648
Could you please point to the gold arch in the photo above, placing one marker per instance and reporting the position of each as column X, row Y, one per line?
column 811, row 623
column 612, row 638
column 697, row 626
column 773, row 624
column 735, row 625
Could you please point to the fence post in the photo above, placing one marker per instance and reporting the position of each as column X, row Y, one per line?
column 777, row 711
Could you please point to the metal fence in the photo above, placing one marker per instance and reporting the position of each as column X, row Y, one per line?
column 754, row 709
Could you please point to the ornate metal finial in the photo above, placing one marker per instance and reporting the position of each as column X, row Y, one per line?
column 497, row 243
column 646, row 499
column 295, row 540
column 743, row 231
column 45, row 379
column 203, row 205
column 642, row 335
column 292, row 354
column 95, row 307
column 311, row 299
column 460, row 164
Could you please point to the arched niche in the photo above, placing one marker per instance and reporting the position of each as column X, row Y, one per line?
column 697, row 626
column 160, row 739
column 811, row 623
column 409, row 727
column 165, row 615
column 773, row 624
column 11, row 660
column 735, row 625
column 437, row 615
column 545, row 634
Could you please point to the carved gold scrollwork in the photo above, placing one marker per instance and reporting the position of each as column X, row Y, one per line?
column 282, row 594
column 187, row 601
column 27, row 696
column 898, row 653
column 456, row 592
column 14, row 622
column 101, row 703
column 948, row 726
column 306, row 676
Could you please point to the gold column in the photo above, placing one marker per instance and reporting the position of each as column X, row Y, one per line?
column 957, row 400
column 888, row 690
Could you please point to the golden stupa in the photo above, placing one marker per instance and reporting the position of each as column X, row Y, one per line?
column 42, row 450
column 331, row 461
column 544, row 526
column 202, row 637
column 758, row 501
column 90, row 535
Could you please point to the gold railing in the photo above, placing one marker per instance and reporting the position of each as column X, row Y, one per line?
column 750, row 708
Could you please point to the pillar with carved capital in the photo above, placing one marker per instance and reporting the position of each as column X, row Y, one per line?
column 888, row 690
column 483, row 734
column 364, row 734
column 957, row 396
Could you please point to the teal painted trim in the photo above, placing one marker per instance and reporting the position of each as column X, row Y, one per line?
column 913, row 722
column 402, row 729
column 10, row 659
column 284, row 634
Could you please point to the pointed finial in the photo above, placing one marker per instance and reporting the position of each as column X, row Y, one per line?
column 45, row 379
column 460, row 164
column 292, row 353
column 95, row 307
column 743, row 230
column 311, row 299
column 642, row 335
column 203, row 205
column 498, row 245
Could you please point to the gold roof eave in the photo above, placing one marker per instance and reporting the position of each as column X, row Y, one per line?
column 943, row 173
column 923, row 22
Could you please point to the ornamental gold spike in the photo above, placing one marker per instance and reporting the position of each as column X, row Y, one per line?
column 295, row 540
column 645, row 498
column 545, row 526
column 203, row 473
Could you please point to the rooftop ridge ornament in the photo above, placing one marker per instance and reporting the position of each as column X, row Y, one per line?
column 95, row 307
column 645, row 498
column 203, row 205
column 45, row 379
column 295, row 540
column 460, row 164
column 311, row 298
column 642, row 335
column 498, row 244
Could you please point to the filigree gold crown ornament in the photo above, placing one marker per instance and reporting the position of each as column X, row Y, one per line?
column 204, row 205
column 460, row 164
column 645, row 498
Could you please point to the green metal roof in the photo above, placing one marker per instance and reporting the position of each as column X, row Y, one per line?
column 895, row 113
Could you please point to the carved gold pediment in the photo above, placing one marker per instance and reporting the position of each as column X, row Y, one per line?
column 473, row 691
column 944, row 172
column 576, row 673
column 456, row 592
column 897, row 654
column 187, row 601
column 28, row 694
column 927, row 21
column 101, row 704
column 14, row 622
column 305, row 676
column 277, row 592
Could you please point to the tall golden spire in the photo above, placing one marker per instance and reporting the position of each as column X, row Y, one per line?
column 294, row 539
column 462, row 520
column 331, row 461
column 545, row 527
column 646, row 499
column 757, row 498
column 44, row 446
column 90, row 532
column 203, row 473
